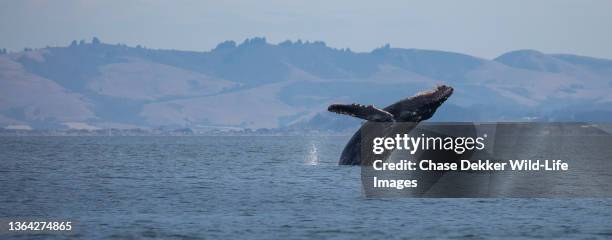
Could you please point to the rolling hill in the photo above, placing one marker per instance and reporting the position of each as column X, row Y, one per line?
column 256, row 84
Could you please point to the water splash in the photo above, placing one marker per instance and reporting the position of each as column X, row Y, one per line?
column 312, row 158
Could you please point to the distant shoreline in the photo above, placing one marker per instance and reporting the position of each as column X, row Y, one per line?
column 168, row 133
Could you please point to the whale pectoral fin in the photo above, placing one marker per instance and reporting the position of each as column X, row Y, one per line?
column 369, row 112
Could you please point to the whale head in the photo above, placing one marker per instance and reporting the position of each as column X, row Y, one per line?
column 421, row 106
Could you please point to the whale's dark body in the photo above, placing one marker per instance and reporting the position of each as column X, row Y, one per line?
column 413, row 109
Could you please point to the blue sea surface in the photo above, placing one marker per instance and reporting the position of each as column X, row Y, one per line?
column 249, row 188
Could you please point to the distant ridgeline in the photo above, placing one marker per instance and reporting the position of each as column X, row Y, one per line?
column 256, row 84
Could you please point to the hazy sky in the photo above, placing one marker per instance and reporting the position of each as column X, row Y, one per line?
column 481, row 28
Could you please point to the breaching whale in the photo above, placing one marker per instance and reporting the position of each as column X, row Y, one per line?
column 417, row 108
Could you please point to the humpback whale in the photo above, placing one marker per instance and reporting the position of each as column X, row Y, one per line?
column 417, row 108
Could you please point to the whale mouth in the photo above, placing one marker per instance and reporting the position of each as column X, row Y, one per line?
column 421, row 106
column 432, row 99
column 439, row 94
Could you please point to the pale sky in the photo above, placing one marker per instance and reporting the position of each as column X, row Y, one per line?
column 481, row 28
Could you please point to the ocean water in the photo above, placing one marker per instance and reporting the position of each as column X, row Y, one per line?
column 248, row 188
